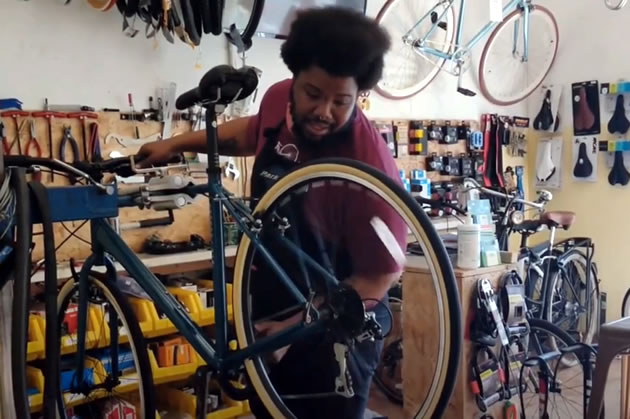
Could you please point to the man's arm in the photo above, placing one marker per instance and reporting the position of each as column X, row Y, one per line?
column 232, row 138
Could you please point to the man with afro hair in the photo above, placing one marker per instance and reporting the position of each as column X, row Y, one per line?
column 334, row 54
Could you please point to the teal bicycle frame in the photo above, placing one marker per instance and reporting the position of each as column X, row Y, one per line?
column 92, row 203
column 419, row 44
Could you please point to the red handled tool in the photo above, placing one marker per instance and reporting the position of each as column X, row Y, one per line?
column 15, row 115
column 50, row 116
column 33, row 143
column 83, row 116
column 95, row 143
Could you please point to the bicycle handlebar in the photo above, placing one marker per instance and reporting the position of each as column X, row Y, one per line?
column 544, row 195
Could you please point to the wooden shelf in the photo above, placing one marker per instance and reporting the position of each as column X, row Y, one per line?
column 173, row 263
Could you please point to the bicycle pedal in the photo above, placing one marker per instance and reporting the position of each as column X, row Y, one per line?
column 466, row 92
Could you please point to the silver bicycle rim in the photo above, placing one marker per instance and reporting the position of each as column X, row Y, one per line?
column 407, row 69
column 504, row 77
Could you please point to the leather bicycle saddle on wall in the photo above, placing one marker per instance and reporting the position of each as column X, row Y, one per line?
column 583, row 166
column 618, row 122
column 584, row 118
column 544, row 119
column 618, row 174
column 546, row 168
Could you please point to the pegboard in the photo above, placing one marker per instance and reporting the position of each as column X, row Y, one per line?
column 194, row 219
column 409, row 162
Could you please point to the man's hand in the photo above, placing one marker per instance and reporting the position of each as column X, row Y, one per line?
column 156, row 152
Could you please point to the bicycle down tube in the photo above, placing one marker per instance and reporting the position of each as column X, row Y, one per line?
column 106, row 242
column 483, row 32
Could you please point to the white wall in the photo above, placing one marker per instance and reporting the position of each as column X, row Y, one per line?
column 592, row 47
column 75, row 54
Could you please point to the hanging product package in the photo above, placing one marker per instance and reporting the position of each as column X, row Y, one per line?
column 586, row 118
column 547, row 117
column 585, row 159
column 549, row 163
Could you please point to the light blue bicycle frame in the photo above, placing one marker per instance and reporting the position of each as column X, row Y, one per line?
column 419, row 44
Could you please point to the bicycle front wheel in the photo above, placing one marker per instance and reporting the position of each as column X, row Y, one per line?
column 131, row 381
column 409, row 68
column 354, row 223
column 509, row 72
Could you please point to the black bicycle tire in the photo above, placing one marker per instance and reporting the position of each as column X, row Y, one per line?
column 188, row 16
column 21, row 281
column 205, row 15
column 444, row 265
column 216, row 17
column 252, row 24
column 550, row 292
column 145, row 372
column 624, row 302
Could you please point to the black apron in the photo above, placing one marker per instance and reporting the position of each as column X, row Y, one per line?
column 313, row 357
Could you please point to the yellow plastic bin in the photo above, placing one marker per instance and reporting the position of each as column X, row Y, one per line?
column 190, row 300
column 95, row 332
column 163, row 375
column 35, row 345
column 180, row 401
column 207, row 316
column 150, row 322
column 35, row 379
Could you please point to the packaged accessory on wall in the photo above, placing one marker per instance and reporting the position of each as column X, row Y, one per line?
column 451, row 165
column 435, row 132
column 618, row 174
column 387, row 132
column 449, row 133
column 435, row 162
column 417, row 139
column 549, row 163
column 547, row 118
column 475, row 142
column 619, row 123
column 586, row 118
column 585, row 159
column 463, row 131
column 466, row 165
column 512, row 299
column 518, row 139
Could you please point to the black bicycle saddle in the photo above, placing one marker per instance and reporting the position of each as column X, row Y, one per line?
column 583, row 166
column 221, row 85
column 618, row 174
column 544, row 119
column 619, row 123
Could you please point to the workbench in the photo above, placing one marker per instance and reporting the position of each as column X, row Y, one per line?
column 419, row 310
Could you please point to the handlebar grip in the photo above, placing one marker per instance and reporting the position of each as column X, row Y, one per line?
column 188, row 99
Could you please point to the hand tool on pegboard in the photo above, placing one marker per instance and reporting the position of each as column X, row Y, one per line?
column 33, row 144
column 15, row 115
column 50, row 116
column 82, row 116
column 95, row 143
column 66, row 140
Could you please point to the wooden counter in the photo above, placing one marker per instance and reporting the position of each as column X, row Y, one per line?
column 420, row 337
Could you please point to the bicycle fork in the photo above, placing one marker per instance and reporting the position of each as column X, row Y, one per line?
column 526, row 11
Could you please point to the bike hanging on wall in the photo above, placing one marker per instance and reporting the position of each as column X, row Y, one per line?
column 521, row 48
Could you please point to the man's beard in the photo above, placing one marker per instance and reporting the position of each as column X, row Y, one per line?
column 335, row 134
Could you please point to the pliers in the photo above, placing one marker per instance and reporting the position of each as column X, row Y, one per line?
column 32, row 142
column 68, row 138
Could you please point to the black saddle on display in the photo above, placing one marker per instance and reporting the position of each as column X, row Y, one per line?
column 618, row 122
column 618, row 174
column 544, row 119
column 583, row 166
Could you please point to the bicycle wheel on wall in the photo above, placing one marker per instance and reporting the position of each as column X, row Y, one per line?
column 134, row 381
column 331, row 209
column 407, row 69
column 505, row 77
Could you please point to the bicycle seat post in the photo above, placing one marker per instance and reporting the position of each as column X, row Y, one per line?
column 214, row 166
